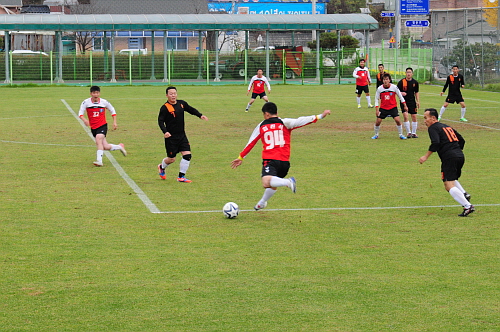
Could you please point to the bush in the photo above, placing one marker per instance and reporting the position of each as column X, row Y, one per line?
column 422, row 75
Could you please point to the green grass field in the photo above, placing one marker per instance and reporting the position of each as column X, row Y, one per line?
column 371, row 241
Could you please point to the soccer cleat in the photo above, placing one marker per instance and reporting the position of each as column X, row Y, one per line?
column 439, row 118
column 260, row 206
column 414, row 136
column 467, row 211
column 246, row 109
column 183, row 179
column 359, row 105
column 98, row 163
column 467, row 196
column 161, row 172
column 122, row 149
column 408, row 136
column 370, row 106
column 464, row 120
column 402, row 137
column 293, row 184
column 375, row 137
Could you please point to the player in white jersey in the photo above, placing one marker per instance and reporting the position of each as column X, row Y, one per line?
column 258, row 83
column 387, row 93
column 95, row 107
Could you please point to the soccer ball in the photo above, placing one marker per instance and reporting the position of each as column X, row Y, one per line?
column 230, row 210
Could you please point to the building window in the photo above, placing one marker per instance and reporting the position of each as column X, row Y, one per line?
column 177, row 43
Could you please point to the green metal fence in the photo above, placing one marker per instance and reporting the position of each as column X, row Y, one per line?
column 284, row 66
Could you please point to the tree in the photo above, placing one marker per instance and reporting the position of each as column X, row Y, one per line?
column 475, row 55
column 345, row 6
column 328, row 41
column 84, row 38
column 491, row 15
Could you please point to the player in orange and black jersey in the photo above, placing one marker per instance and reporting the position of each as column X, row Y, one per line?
column 275, row 135
column 448, row 143
column 380, row 74
column 409, row 89
column 171, row 122
column 95, row 107
column 455, row 81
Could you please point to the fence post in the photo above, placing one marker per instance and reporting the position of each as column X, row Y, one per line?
column 90, row 64
column 169, row 59
column 207, row 64
column 130, row 66
column 283, row 66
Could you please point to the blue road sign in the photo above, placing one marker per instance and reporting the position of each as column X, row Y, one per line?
column 414, row 7
column 387, row 14
column 411, row 24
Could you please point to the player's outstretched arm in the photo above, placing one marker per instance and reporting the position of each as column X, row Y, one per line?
column 235, row 163
column 325, row 113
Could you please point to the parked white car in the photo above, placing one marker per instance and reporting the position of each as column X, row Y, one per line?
column 28, row 52
column 134, row 51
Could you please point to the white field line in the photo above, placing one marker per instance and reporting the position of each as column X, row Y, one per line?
column 335, row 208
column 466, row 123
column 142, row 196
column 51, row 144
column 475, row 99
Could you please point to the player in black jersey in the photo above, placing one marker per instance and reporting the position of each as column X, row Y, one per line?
column 448, row 143
column 409, row 89
column 454, row 81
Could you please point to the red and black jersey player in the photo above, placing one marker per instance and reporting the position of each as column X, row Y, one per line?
column 275, row 135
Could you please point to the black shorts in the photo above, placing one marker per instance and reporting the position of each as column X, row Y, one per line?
column 175, row 145
column 412, row 108
column 363, row 88
column 451, row 169
column 101, row 130
column 275, row 167
column 261, row 95
column 385, row 113
column 454, row 99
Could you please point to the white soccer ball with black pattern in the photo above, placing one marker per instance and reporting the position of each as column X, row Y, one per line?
column 231, row 210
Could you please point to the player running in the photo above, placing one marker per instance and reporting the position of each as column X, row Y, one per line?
column 409, row 89
column 362, row 76
column 388, row 107
column 448, row 143
column 171, row 122
column 455, row 81
column 258, row 82
column 95, row 107
column 275, row 134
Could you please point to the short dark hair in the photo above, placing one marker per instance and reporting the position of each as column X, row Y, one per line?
column 362, row 60
column 170, row 88
column 270, row 108
column 410, row 68
column 454, row 66
column 260, row 69
column 387, row 75
column 432, row 112
column 380, row 64
column 94, row 88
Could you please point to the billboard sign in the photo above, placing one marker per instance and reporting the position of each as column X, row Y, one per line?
column 414, row 7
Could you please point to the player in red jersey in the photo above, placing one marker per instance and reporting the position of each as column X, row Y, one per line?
column 275, row 134
column 362, row 76
column 258, row 83
column 96, row 112
column 388, row 107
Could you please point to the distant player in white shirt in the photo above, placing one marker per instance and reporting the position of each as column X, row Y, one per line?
column 387, row 93
column 258, row 83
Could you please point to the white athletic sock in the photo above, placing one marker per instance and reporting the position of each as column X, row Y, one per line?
column 99, row 155
column 407, row 127
column 441, row 112
column 377, row 129
column 459, row 186
column 114, row 147
column 400, row 129
column 462, row 111
column 369, row 100
column 459, row 197
column 358, row 99
column 163, row 164
column 248, row 106
column 268, row 193
column 279, row 182
column 414, row 126
column 184, row 165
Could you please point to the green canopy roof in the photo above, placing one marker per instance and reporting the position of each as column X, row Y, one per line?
column 186, row 22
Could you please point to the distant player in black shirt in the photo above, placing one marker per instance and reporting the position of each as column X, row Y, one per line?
column 380, row 74
column 448, row 143
column 171, row 123
column 455, row 81
column 409, row 89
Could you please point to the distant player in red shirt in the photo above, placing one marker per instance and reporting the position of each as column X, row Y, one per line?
column 95, row 107
column 275, row 134
column 362, row 76
column 387, row 93
column 257, row 83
